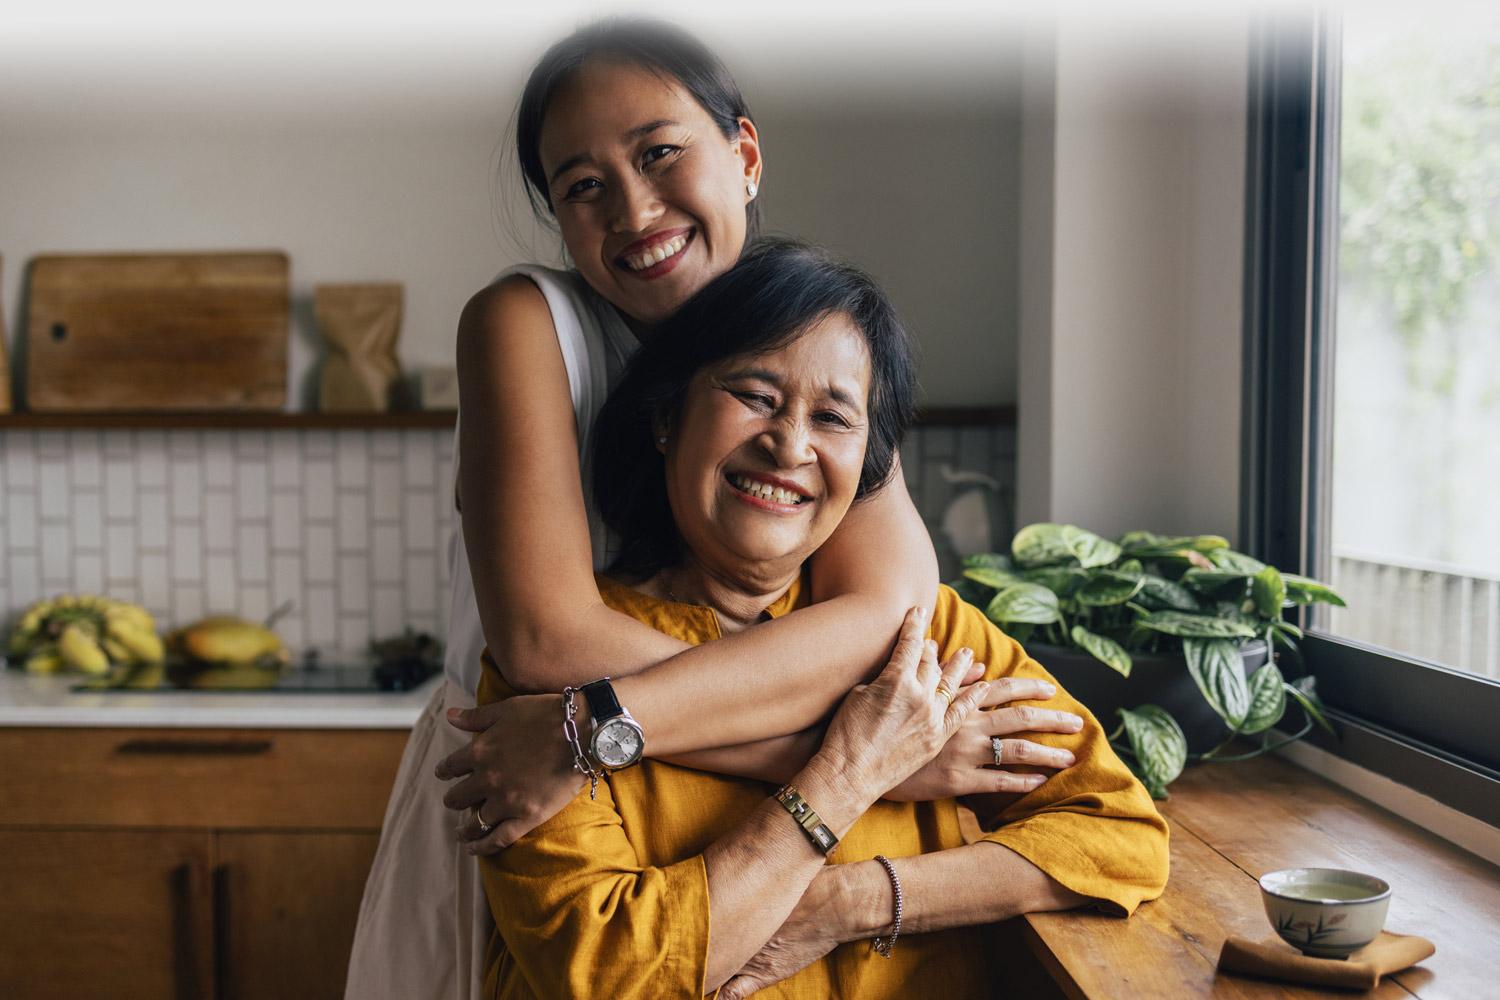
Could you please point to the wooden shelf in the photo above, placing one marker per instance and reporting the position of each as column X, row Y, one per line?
column 999, row 416
column 415, row 419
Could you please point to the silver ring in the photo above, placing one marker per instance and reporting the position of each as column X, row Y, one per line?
column 995, row 745
column 484, row 827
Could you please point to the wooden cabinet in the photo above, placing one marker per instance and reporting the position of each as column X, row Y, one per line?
column 186, row 863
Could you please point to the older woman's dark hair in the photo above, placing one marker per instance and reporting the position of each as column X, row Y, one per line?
column 773, row 295
column 658, row 46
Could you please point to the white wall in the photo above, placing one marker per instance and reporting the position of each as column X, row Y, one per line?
column 929, row 204
column 375, row 160
column 1133, row 190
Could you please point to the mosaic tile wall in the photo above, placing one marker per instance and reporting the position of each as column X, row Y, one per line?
column 350, row 526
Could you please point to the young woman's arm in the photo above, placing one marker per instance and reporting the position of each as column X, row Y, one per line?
column 526, row 531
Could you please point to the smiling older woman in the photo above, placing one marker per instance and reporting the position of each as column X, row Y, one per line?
column 738, row 440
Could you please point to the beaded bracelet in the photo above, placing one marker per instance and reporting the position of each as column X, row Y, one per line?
column 883, row 945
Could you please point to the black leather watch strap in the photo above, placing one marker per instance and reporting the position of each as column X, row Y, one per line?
column 602, row 701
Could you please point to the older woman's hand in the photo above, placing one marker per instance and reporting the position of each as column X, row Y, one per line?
column 811, row 931
column 887, row 729
column 966, row 765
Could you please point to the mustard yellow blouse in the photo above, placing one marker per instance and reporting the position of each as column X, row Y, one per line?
column 609, row 898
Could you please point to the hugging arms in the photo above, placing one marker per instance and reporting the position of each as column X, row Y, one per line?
column 673, row 880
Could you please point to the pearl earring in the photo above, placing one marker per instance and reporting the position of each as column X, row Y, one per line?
column 661, row 440
column 751, row 188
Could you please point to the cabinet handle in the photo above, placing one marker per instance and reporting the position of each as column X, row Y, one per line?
column 222, row 988
column 185, row 881
column 203, row 748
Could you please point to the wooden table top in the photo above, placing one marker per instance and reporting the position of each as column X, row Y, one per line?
column 1232, row 823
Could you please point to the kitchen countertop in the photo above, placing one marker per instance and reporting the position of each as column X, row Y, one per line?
column 48, row 700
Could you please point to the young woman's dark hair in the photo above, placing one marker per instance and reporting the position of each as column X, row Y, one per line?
column 771, row 296
column 658, row 46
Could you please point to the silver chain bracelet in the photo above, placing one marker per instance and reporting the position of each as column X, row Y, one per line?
column 883, row 945
column 581, row 763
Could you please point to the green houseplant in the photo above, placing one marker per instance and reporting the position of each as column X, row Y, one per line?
column 1189, row 599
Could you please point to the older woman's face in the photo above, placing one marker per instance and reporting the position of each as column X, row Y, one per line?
column 765, row 457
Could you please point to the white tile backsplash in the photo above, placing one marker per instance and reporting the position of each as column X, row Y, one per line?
column 156, row 591
column 53, row 492
column 252, row 551
column 88, row 520
column 153, row 518
column 351, row 459
column 186, row 489
column 350, row 525
column 57, row 552
column 253, row 488
column 20, row 521
column 321, row 620
column 319, row 551
column 218, row 459
column 187, row 552
column 86, row 461
column 25, row 579
column 20, row 460
column 119, row 485
column 218, row 520
column 385, row 554
column 286, row 461
column 120, row 554
column 220, row 591
column 88, row 572
column 421, row 517
column 195, row 522
column 353, row 521
column 317, row 490
column 286, row 520
column 385, row 490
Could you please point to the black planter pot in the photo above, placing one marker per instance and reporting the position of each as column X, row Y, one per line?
column 1154, row 679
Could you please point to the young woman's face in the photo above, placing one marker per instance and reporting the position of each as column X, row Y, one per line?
column 648, row 193
column 765, row 456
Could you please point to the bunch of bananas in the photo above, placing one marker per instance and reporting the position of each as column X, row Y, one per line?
column 90, row 635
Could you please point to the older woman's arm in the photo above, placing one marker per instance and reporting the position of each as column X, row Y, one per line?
column 1088, row 834
column 582, row 916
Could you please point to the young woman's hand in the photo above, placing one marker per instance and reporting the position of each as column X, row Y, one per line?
column 887, row 729
column 966, row 765
column 517, row 770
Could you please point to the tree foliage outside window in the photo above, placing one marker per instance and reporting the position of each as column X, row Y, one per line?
column 1415, row 458
column 1420, row 185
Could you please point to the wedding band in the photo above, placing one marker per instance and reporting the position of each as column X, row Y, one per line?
column 484, row 827
column 944, row 690
column 996, row 747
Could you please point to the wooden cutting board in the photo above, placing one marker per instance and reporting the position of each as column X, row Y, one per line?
column 158, row 332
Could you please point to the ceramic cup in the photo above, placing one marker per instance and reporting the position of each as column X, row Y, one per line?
column 1325, row 912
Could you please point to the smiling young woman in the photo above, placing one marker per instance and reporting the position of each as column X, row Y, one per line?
column 647, row 191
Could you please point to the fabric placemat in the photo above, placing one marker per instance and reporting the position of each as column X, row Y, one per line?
column 1360, row 971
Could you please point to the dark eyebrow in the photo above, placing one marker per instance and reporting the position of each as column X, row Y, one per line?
column 634, row 133
column 834, row 392
column 648, row 128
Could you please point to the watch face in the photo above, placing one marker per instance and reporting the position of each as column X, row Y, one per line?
column 617, row 744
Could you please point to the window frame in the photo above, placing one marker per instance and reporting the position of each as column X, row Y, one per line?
column 1419, row 723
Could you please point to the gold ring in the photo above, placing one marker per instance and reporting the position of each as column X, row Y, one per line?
column 944, row 690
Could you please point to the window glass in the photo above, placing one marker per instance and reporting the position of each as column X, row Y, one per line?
column 1415, row 463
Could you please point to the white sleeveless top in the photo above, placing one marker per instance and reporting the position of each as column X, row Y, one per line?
column 595, row 344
